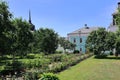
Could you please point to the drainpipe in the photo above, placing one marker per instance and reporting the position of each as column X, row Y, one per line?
column 79, row 41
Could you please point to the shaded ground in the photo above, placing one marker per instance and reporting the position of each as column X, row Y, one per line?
column 94, row 69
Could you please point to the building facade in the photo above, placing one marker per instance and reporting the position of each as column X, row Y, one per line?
column 113, row 26
column 79, row 37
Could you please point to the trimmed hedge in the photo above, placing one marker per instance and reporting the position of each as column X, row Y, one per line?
column 48, row 76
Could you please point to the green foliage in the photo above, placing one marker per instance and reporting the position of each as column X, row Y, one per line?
column 110, row 41
column 66, row 44
column 66, row 61
column 55, row 57
column 6, row 28
column 100, row 41
column 59, row 52
column 49, row 76
column 30, row 56
column 46, row 40
column 23, row 36
column 117, row 44
column 76, row 51
column 36, row 63
column 31, row 76
column 111, row 53
column 117, row 18
column 101, row 56
column 45, row 63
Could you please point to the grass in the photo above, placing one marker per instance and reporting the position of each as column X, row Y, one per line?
column 93, row 69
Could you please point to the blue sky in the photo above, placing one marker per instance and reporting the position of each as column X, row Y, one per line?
column 65, row 16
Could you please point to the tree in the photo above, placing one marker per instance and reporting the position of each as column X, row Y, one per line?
column 66, row 44
column 110, row 41
column 6, row 28
column 117, row 46
column 35, row 45
column 72, row 46
column 100, row 41
column 91, row 41
column 47, row 40
column 23, row 37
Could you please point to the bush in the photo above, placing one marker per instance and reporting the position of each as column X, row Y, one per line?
column 12, row 67
column 59, row 52
column 36, row 63
column 49, row 76
column 30, row 56
column 57, row 67
column 76, row 51
column 55, row 57
column 101, row 56
column 111, row 53
column 31, row 76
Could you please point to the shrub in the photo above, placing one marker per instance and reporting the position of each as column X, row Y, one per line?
column 48, row 76
column 31, row 76
column 36, row 63
column 101, row 56
column 30, row 56
column 111, row 53
column 57, row 67
column 55, row 57
column 58, row 51
column 76, row 51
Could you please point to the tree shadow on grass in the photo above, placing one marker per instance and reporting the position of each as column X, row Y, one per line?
column 108, row 57
column 113, row 57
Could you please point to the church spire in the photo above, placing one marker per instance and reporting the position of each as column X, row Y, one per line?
column 29, row 16
column 30, row 22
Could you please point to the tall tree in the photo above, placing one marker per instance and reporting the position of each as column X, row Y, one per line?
column 6, row 28
column 110, row 41
column 100, row 41
column 117, row 44
column 24, row 36
column 47, row 40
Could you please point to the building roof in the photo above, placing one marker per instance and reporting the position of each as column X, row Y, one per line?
column 84, row 30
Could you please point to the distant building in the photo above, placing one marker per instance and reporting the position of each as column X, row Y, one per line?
column 79, row 37
column 113, row 26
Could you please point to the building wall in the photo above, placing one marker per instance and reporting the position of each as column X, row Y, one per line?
column 76, row 40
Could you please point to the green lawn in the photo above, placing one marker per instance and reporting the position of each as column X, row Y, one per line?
column 93, row 69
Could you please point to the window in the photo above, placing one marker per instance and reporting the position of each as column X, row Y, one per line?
column 80, row 40
column 74, row 40
column 80, row 49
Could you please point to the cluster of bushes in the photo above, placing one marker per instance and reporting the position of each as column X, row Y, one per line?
column 49, row 76
column 54, row 63
column 57, row 63
column 36, row 64
column 66, row 62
